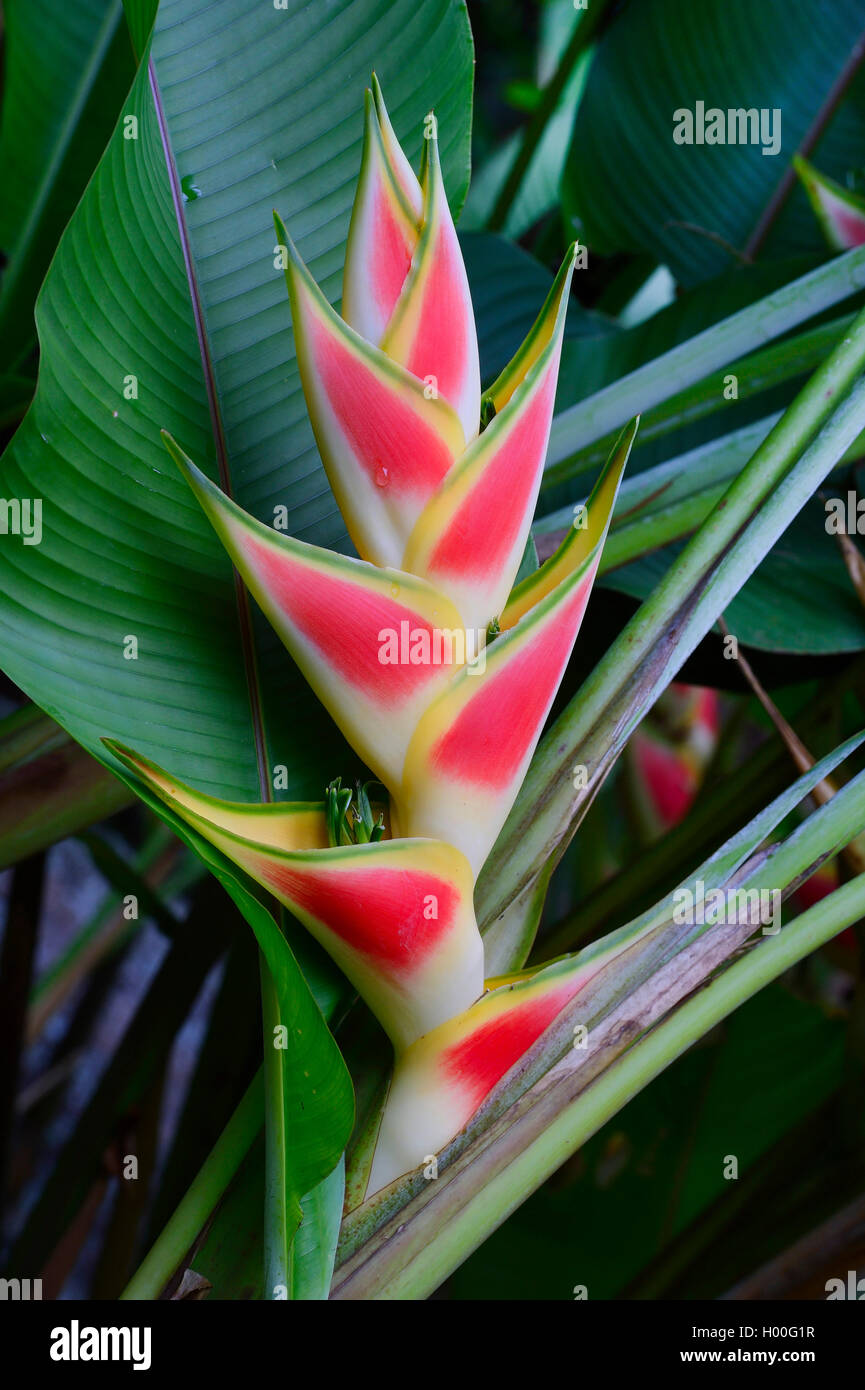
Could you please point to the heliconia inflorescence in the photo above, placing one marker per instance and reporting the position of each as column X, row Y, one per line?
column 841, row 214
column 670, row 752
column 439, row 671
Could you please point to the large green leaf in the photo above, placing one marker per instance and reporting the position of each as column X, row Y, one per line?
column 230, row 1253
column 67, row 69
column 255, row 108
column 634, row 187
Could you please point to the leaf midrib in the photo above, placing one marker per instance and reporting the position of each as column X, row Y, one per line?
column 244, row 615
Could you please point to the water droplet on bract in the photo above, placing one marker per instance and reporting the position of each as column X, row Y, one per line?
column 381, row 476
column 394, row 588
column 189, row 190
column 114, row 413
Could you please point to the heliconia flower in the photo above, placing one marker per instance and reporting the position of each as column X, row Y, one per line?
column 440, row 1082
column 440, row 672
column 397, row 916
column 670, row 752
column 841, row 214
column 450, row 737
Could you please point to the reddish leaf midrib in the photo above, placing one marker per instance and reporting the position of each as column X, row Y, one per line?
column 242, row 598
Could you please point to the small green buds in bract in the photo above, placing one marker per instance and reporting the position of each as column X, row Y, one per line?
column 350, row 818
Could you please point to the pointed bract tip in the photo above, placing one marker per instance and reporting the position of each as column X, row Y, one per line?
column 125, row 755
column 296, row 263
column 285, row 238
column 193, row 475
column 182, row 459
column 282, row 232
column 379, row 103
column 807, row 175
column 430, row 163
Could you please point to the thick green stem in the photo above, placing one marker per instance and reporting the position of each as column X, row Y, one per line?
column 758, row 372
column 281, row 1211
column 683, row 366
